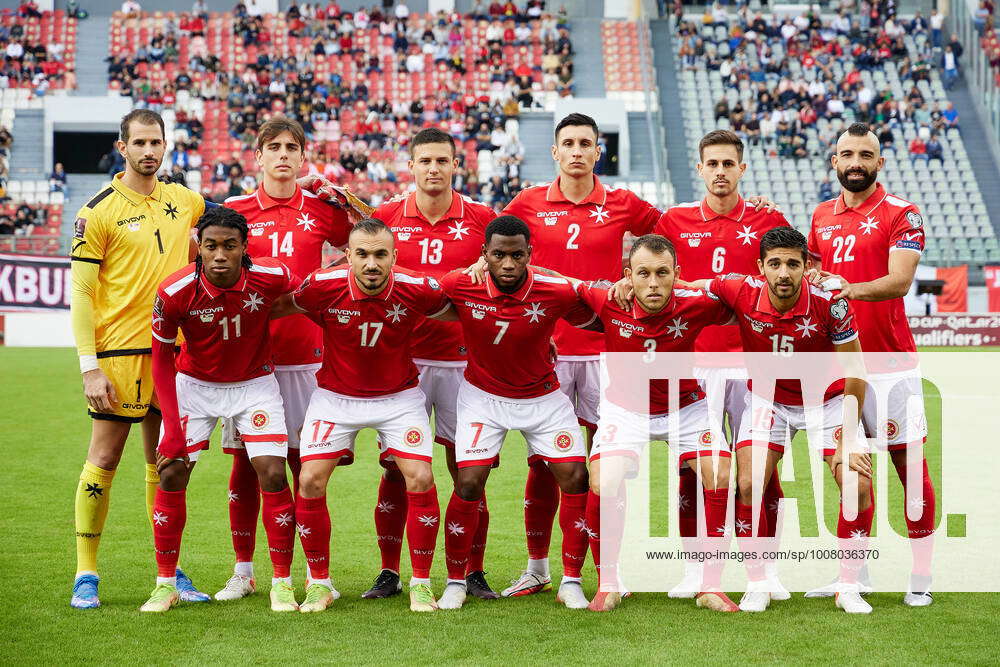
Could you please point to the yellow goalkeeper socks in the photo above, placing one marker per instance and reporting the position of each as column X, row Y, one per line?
column 152, row 481
column 93, row 495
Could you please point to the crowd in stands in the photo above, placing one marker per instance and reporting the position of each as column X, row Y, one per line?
column 794, row 81
column 21, row 219
column 332, row 71
column 37, row 49
column 6, row 140
column 986, row 23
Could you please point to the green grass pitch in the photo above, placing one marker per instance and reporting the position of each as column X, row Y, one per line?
column 47, row 432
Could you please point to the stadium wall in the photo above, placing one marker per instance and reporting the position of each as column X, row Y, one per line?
column 81, row 114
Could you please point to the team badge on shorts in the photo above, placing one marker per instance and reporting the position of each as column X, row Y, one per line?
column 563, row 441
column 891, row 429
column 259, row 419
column 413, row 437
column 837, row 433
column 706, row 438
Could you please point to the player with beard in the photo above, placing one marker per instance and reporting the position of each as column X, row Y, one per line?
column 437, row 230
column 718, row 235
column 131, row 235
column 868, row 243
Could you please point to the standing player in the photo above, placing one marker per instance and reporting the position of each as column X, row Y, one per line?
column 290, row 224
column 869, row 242
column 661, row 319
column 368, row 380
column 128, row 237
column 577, row 227
column 719, row 235
column 510, row 383
column 222, row 304
column 437, row 230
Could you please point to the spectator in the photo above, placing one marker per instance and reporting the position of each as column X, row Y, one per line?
column 935, row 151
column 950, row 115
column 131, row 9
column 57, row 180
column 6, row 225
column 825, row 189
column 949, row 66
column 936, row 22
column 918, row 149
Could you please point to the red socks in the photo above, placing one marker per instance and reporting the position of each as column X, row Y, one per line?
column 772, row 494
column 748, row 541
column 461, row 522
column 478, row 553
column 573, row 524
column 423, row 517
column 313, row 521
column 390, row 521
column 541, row 499
column 853, row 536
column 279, row 523
column 169, row 517
column 922, row 526
column 716, row 502
column 608, row 540
column 244, row 506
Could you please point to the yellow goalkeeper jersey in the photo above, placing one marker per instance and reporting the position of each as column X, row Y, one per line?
column 134, row 241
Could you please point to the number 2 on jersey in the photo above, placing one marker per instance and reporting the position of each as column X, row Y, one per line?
column 574, row 231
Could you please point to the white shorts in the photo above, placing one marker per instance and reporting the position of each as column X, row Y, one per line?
column 333, row 420
column 547, row 423
column 440, row 385
column 296, row 385
column 580, row 380
column 726, row 391
column 902, row 398
column 624, row 433
column 776, row 424
column 254, row 406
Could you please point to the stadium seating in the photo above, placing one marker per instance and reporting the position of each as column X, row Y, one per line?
column 347, row 119
column 623, row 65
column 957, row 226
column 54, row 27
column 44, row 238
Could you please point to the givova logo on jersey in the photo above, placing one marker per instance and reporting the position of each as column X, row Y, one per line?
column 694, row 238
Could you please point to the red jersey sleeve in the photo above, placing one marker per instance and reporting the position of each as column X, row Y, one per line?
column 431, row 298
column 309, row 295
column 727, row 288
column 812, row 242
column 339, row 227
column 643, row 215
column 165, row 320
column 579, row 313
column 841, row 322
column 594, row 297
column 907, row 231
column 449, row 281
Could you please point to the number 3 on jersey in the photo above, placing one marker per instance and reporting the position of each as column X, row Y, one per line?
column 286, row 246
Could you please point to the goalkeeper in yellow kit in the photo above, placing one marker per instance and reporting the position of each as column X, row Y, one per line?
column 129, row 237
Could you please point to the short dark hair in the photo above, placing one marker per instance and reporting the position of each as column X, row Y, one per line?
column 508, row 225
column 783, row 237
column 275, row 126
column 654, row 243
column 143, row 116
column 721, row 138
column 221, row 216
column 372, row 227
column 577, row 119
column 432, row 135
column 858, row 129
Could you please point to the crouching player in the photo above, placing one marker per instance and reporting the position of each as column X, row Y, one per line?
column 368, row 380
column 779, row 313
column 510, row 383
column 660, row 319
column 221, row 303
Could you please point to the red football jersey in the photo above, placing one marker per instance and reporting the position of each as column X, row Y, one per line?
column 225, row 330
column 453, row 242
column 508, row 334
column 710, row 244
column 294, row 232
column 366, row 338
column 676, row 328
column 855, row 243
column 581, row 241
column 815, row 324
